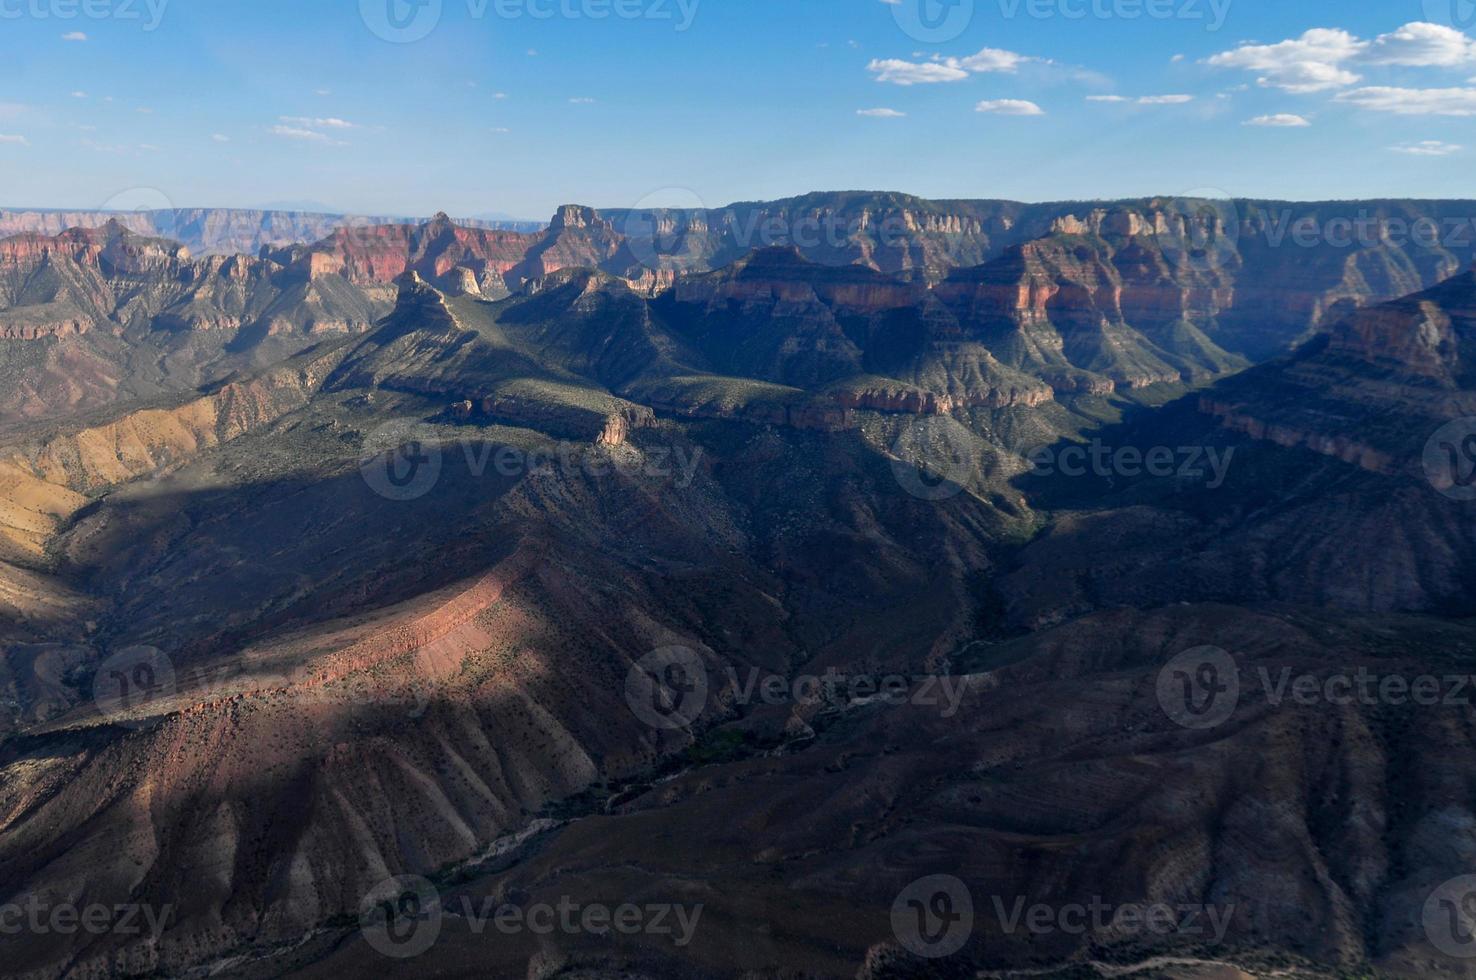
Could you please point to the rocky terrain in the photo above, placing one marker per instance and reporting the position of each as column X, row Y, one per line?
column 337, row 562
column 216, row 231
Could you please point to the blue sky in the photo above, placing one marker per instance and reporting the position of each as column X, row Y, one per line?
column 688, row 102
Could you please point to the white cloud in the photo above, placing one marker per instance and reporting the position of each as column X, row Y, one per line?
column 323, row 91
column 306, row 135
column 1326, row 58
column 500, row 129
column 319, row 122
column 1423, row 45
column 582, row 101
column 79, row 95
column 1413, row 101
column 1143, row 100
column 220, row 138
column 499, row 95
column 14, row 140
column 1010, row 107
column 1305, row 64
column 74, row 36
column 1427, row 148
column 881, row 113
column 992, row 59
column 898, row 72
column 1288, row 120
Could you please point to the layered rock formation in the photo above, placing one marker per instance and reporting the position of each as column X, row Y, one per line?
column 440, row 251
column 1374, row 388
column 360, row 687
column 109, row 278
column 217, row 231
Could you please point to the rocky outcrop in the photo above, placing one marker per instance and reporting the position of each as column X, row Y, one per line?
column 906, row 400
column 780, row 279
column 150, row 440
column 1090, row 316
column 218, row 231
column 111, row 279
column 1338, row 445
column 1373, row 389
column 436, row 250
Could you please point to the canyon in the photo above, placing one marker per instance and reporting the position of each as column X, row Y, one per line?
column 270, row 482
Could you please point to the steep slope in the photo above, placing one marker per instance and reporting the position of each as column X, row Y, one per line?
column 437, row 250
column 789, row 468
column 1375, row 388
column 218, row 231
column 95, row 318
column 1342, row 479
column 415, row 694
column 1093, row 315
